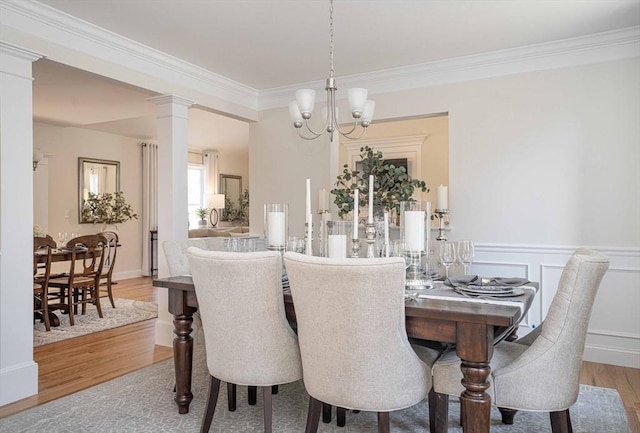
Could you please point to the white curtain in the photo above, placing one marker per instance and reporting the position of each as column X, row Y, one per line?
column 210, row 162
column 149, row 207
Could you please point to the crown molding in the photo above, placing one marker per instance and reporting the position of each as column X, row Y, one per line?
column 63, row 29
column 600, row 47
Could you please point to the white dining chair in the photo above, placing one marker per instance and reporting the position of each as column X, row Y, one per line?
column 540, row 372
column 355, row 351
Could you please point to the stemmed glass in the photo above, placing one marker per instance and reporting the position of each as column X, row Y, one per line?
column 62, row 239
column 447, row 255
column 465, row 254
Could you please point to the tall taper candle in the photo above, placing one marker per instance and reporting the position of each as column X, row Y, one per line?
column 370, row 219
column 323, row 200
column 356, row 208
column 386, row 234
column 441, row 198
column 308, row 202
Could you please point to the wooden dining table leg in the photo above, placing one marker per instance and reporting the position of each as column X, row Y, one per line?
column 182, row 348
column 475, row 349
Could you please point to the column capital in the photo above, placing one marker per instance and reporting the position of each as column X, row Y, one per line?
column 23, row 53
column 173, row 99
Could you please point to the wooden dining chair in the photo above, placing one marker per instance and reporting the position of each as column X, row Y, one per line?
column 109, row 252
column 42, row 247
column 81, row 286
column 260, row 349
column 541, row 371
column 355, row 351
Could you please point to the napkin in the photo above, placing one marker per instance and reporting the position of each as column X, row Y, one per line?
column 506, row 281
column 461, row 280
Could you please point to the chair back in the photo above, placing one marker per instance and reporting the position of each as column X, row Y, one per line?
column 176, row 252
column 109, row 253
column 547, row 375
column 42, row 247
column 247, row 337
column 351, row 328
column 86, row 256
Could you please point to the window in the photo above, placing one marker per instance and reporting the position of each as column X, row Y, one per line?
column 195, row 192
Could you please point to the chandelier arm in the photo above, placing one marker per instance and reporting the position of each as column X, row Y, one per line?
column 348, row 136
column 346, row 133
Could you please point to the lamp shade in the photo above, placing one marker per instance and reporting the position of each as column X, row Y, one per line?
column 367, row 115
column 306, row 98
column 357, row 98
column 294, row 112
column 215, row 201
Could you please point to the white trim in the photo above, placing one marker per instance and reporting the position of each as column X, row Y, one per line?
column 50, row 24
column 611, row 355
column 18, row 382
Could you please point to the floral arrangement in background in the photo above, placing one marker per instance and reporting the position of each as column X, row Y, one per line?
column 37, row 231
column 107, row 208
column 392, row 184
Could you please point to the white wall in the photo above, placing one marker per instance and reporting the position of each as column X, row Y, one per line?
column 67, row 144
column 542, row 161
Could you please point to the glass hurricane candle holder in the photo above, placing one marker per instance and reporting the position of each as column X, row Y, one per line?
column 339, row 239
column 276, row 226
column 414, row 234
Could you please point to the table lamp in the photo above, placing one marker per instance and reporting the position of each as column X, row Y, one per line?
column 215, row 202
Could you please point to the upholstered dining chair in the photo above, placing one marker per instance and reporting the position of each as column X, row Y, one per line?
column 41, row 273
column 540, row 372
column 248, row 338
column 353, row 342
column 110, row 251
column 82, row 283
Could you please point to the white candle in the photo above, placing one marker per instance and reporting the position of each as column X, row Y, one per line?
column 309, row 233
column 414, row 230
column 386, row 234
column 337, row 245
column 308, row 200
column 370, row 219
column 276, row 226
column 323, row 200
column 441, row 198
column 356, row 209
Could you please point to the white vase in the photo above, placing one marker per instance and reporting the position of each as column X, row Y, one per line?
column 109, row 228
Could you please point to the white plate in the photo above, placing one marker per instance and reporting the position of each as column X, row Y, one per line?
column 486, row 290
column 515, row 291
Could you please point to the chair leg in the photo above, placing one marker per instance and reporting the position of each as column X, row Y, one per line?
column 507, row 415
column 268, row 404
column 72, row 307
column 274, row 389
column 313, row 415
column 326, row 413
column 231, row 396
column 341, row 416
column 383, row 422
column 110, row 294
column 253, row 395
column 438, row 412
column 212, row 400
column 96, row 298
column 561, row 422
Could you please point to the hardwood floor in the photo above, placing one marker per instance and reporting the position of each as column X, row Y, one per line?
column 106, row 355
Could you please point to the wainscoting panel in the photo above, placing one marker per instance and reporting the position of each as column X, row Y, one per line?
column 614, row 328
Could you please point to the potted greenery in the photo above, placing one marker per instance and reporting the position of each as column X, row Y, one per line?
column 392, row 184
column 107, row 209
column 202, row 213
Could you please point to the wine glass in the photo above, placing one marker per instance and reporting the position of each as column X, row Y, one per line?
column 447, row 255
column 62, row 239
column 465, row 254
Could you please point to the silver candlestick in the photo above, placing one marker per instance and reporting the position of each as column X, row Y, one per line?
column 324, row 217
column 441, row 213
column 355, row 248
column 370, row 232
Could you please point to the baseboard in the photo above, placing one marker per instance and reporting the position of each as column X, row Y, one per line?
column 612, row 355
column 18, row 382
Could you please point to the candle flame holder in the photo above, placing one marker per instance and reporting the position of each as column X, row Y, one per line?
column 441, row 213
column 370, row 231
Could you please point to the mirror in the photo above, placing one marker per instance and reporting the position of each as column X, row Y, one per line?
column 98, row 176
column 231, row 187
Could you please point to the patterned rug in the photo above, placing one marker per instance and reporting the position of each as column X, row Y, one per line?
column 142, row 401
column 127, row 311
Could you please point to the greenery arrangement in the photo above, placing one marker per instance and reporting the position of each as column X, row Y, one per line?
column 108, row 208
column 237, row 213
column 392, row 184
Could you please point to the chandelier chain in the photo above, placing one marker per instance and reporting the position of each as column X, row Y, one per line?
column 331, row 72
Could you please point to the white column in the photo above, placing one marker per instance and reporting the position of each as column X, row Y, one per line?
column 173, row 218
column 18, row 371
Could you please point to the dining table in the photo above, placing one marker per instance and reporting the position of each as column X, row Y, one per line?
column 471, row 327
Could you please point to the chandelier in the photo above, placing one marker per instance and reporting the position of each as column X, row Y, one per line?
column 361, row 109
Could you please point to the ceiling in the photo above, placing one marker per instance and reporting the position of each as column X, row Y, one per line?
column 266, row 44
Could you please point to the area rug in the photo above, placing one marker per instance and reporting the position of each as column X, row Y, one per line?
column 127, row 311
column 142, row 401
